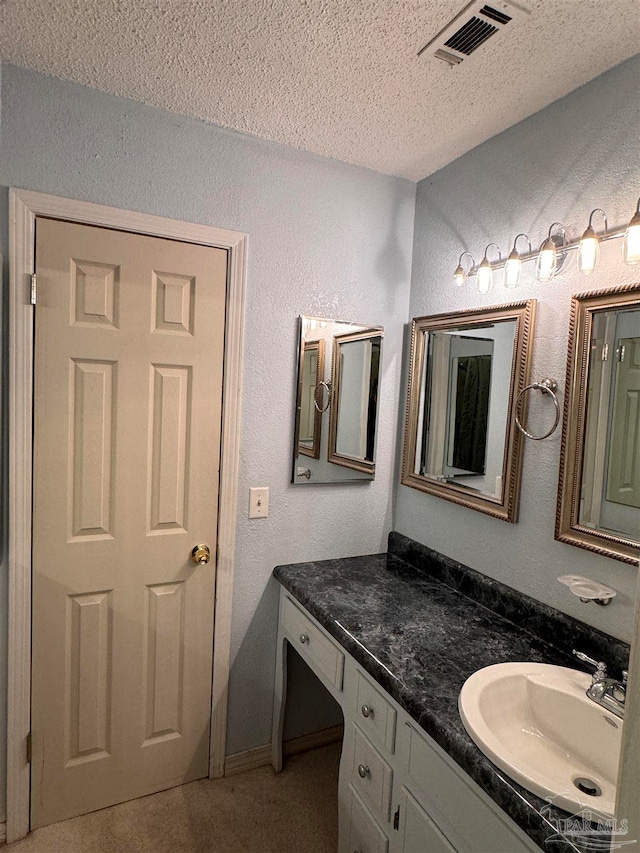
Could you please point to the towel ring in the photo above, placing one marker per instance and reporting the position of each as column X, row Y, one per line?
column 547, row 386
column 320, row 385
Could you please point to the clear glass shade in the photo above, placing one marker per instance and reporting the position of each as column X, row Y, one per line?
column 512, row 270
column 484, row 277
column 588, row 251
column 547, row 261
column 631, row 242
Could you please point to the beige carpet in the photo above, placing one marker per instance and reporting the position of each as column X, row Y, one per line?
column 255, row 812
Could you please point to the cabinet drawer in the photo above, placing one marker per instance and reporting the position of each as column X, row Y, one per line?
column 371, row 775
column 365, row 836
column 321, row 653
column 374, row 713
column 419, row 832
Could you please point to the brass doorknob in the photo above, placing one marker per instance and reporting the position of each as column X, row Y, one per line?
column 200, row 554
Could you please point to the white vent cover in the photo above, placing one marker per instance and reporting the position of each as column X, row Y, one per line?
column 471, row 28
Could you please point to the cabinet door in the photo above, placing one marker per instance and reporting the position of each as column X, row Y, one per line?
column 419, row 832
column 365, row 836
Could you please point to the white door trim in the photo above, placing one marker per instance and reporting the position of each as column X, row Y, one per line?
column 24, row 206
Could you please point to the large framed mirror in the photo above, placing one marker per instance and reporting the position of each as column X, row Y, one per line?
column 466, row 373
column 337, row 401
column 599, row 481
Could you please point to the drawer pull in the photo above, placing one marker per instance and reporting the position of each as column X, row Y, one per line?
column 367, row 711
column 363, row 771
column 304, row 638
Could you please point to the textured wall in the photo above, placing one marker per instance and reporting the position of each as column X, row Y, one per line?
column 326, row 239
column 581, row 152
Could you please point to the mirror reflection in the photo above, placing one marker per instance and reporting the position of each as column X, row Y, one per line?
column 611, row 467
column 466, row 371
column 466, row 403
column 337, row 401
column 312, row 371
column 599, row 508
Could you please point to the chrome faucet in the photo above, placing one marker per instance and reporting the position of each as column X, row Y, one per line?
column 608, row 692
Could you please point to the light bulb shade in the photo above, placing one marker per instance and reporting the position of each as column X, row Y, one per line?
column 484, row 276
column 512, row 270
column 547, row 261
column 588, row 251
column 631, row 242
column 460, row 276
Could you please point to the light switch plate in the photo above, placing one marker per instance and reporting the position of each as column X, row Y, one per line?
column 259, row 502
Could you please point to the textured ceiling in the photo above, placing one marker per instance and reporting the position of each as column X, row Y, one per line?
column 340, row 78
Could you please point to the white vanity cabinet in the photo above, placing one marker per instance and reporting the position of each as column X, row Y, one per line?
column 398, row 791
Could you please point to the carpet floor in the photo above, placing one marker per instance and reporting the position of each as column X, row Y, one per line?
column 255, row 812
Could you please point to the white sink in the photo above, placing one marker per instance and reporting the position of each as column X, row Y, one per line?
column 534, row 722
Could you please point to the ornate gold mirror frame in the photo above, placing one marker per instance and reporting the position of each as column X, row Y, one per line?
column 504, row 507
column 584, row 309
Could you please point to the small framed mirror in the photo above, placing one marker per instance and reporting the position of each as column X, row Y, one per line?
column 354, row 410
column 466, row 373
column 337, row 401
column 599, row 481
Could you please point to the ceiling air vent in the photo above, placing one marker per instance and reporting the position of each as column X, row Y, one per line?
column 476, row 23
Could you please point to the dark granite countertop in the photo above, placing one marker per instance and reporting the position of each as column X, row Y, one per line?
column 421, row 638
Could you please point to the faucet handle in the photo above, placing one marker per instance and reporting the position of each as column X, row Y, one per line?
column 625, row 677
column 601, row 667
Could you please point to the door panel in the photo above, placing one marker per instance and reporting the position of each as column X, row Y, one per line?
column 623, row 483
column 127, row 413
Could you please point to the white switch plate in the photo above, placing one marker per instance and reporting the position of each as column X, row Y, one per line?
column 259, row 502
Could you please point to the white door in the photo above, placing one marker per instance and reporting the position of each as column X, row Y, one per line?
column 127, row 412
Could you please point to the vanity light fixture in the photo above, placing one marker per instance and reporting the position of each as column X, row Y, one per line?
column 460, row 275
column 484, row 275
column 631, row 243
column 552, row 254
column 547, row 263
column 589, row 247
column 513, row 267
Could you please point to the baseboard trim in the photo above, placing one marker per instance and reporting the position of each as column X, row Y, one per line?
column 240, row 762
column 250, row 759
column 316, row 739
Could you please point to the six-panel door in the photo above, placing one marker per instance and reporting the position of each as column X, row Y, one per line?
column 127, row 412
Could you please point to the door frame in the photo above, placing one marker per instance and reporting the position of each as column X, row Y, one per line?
column 24, row 207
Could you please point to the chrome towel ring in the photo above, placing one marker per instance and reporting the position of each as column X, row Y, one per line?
column 319, row 388
column 547, row 386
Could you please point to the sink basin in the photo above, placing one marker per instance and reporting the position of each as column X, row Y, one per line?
column 534, row 722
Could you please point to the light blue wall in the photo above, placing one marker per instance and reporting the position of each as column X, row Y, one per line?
column 579, row 153
column 326, row 239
